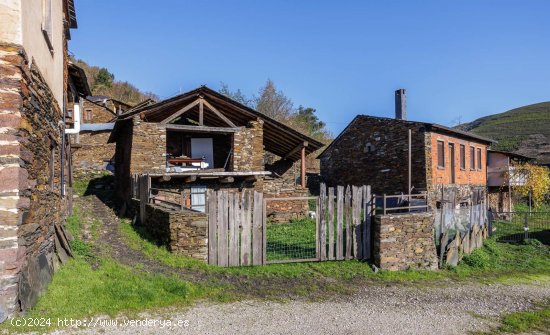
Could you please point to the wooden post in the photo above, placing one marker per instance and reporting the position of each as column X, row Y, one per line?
column 322, row 220
column 201, row 112
column 303, row 168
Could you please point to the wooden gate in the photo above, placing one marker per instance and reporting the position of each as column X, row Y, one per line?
column 237, row 226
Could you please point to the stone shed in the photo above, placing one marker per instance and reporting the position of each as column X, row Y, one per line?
column 202, row 140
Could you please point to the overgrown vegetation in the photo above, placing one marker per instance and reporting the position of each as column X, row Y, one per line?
column 494, row 262
column 514, row 128
column 537, row 182
column 102, row 82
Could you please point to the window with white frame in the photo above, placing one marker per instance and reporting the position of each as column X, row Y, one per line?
column 198, row 198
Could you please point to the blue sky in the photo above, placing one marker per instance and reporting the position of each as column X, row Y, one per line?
column 457, row 59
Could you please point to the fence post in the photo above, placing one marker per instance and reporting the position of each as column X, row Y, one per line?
column 384, row 203
column 526, row 227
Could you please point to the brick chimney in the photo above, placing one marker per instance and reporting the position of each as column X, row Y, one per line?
column 401, row 104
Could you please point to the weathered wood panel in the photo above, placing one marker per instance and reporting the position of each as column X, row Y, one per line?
column 233, row 226
column 331, row 223
column 222, row 228
column 347, row 218
column 246, row 233
column 212, row 227
column 257, row 230
column 323, row 223
column 340, row 222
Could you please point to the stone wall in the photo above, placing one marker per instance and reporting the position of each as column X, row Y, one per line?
column 283, row 184
column 248, row 148
column 30, row 171
column 93, row 154
column 184, row 232
column 93, row 151
column 148, row 150
column 374, row 151
column 404, row 241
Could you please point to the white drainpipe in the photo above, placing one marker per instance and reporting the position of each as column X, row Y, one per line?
column 76, row 128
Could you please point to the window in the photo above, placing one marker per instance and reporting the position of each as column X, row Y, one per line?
column 462, row 157
column 440, row 154
column 472, row 158
column 198, row 198
column 479, row 159
column 88, row 115
column 47, row 24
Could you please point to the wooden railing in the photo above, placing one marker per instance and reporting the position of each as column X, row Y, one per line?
column 404, row 197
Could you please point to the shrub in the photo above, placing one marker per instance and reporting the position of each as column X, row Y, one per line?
column 478, row 259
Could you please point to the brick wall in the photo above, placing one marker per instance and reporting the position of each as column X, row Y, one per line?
column 463, row 176
column 374, row 151
column 30, row 136
column 404, row 241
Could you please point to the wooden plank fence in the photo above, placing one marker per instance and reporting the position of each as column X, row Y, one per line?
column 236, row 234
column 346, row 213
column 237, row 226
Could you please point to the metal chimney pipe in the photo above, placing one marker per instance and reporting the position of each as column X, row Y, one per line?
column 401, row 104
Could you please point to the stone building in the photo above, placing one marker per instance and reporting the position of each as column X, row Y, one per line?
column 34, row 155
column 375, row 151
column 203, row 140
column 91, row 152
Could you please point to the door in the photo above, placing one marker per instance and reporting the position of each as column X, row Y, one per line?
column 203, row 147
column 452, row 161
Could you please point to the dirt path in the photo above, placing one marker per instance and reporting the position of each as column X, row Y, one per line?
column 372, row 310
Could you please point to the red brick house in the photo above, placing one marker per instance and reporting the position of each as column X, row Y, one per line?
column 375, row 151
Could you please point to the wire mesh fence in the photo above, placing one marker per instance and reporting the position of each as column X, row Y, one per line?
column 519, row 226
column 293, row 240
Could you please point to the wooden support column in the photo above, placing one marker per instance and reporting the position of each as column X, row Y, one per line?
column 303, row 168
column 201, row 111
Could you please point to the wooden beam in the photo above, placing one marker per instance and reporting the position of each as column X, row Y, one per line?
column 180, row 112
column 227, row 180
column 201, row 129
column 220, row 115
column 201, row 111
column 296, row 149
column 303, row 167
column 190, row 179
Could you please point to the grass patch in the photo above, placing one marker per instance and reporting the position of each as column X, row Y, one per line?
column 520, row 322
column 495, row 262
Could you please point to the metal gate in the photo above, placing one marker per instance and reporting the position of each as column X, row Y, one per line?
column 520, row 226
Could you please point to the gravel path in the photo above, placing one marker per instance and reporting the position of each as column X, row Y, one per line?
column 373, row 310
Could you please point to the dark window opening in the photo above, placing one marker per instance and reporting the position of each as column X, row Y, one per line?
column 479, row 159
column 462, row 157
column 440, row 154
column 472, row 158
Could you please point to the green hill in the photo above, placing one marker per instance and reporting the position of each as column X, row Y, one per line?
column 524, row 130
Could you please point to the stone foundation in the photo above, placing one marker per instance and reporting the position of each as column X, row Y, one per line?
column 404, row 241
column 184, row 232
